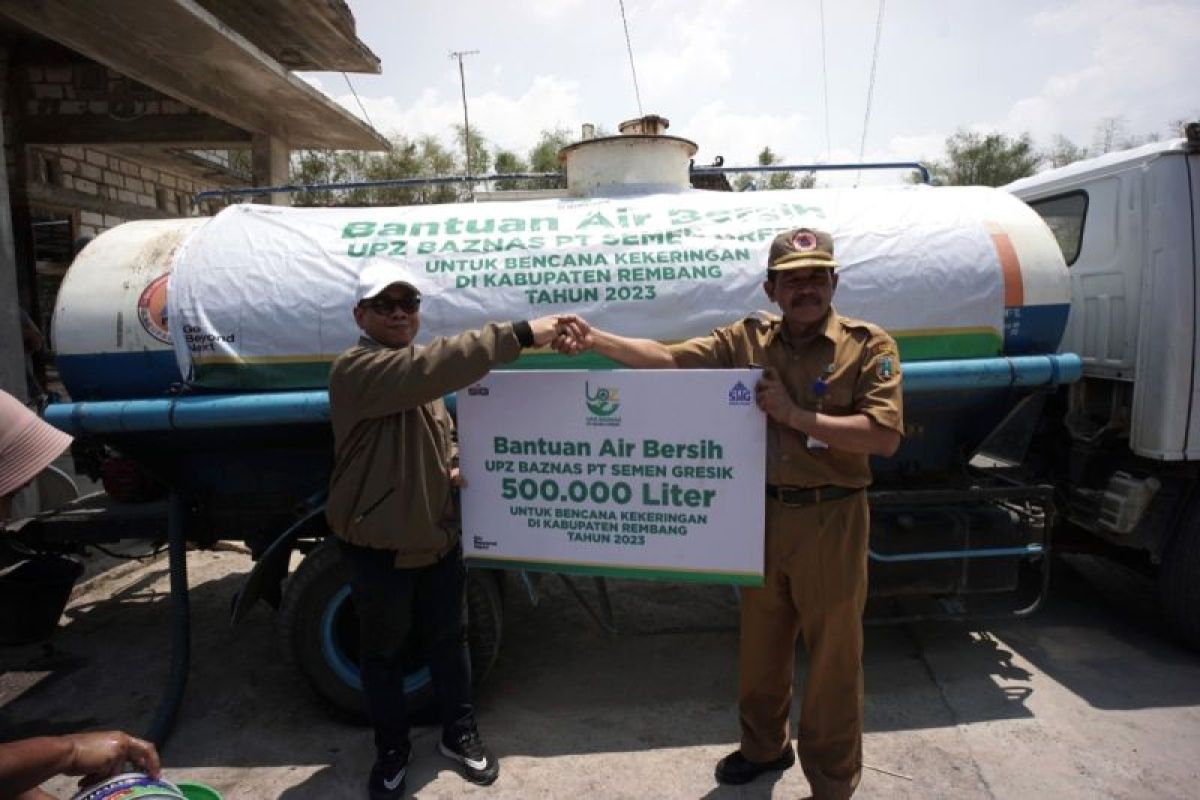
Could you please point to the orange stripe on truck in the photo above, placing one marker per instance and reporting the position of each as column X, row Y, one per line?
column 1010, row 267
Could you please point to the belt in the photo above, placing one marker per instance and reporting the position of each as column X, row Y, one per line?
column 795, row 496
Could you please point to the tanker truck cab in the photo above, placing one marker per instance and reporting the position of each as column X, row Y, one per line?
column 1128, row 225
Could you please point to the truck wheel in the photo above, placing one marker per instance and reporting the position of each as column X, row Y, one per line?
column 320, row 633
column 1179, row 579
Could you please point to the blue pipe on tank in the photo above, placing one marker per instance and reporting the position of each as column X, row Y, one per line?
column 199, row 412
column 190, row 413
column 991, row 373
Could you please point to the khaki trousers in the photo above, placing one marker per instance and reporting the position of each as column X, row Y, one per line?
column 815, row 586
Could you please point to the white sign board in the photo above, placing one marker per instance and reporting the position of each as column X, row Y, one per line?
column 632, row 473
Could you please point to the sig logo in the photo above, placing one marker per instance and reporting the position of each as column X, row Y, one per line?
column 478, row 391
column 603, row 404
column 739, row 395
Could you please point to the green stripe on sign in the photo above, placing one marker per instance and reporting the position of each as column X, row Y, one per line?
column 642, row 573
column 551, row 360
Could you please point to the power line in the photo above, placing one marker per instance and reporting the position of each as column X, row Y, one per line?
column 862, row 145
column 629, row 46
column 825, row 82
column 360, row 105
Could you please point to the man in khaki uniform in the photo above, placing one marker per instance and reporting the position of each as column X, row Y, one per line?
column 392, row 508
column 831, row 387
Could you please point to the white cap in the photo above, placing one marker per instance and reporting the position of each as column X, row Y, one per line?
column 381, row 274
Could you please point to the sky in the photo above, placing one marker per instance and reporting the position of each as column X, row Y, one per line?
column 737, row 75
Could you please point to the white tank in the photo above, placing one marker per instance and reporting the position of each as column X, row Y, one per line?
column 110, row 328
column 260, row 297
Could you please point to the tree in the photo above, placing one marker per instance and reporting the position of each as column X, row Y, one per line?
column 425, row 157
column 437, row 160
column 994, row 159
column 1111, row 134
column 1064, row 152
column 773, row 180
column 481, row 159
column 508, row 162
column 544, row 155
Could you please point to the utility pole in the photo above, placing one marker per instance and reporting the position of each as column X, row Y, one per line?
column 458, row 54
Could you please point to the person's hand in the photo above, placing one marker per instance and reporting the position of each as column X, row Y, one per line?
column 564, row 332
column 772, row 397
column 457, row 481
column 544, row 330
column 102, row 754
column 574, row 335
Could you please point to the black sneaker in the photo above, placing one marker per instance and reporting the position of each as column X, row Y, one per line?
column 735, row 768
column 479, row 765
column 388, row 775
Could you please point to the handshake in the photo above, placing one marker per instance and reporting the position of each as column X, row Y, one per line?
column 567, row 334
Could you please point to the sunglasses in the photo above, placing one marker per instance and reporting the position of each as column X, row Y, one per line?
column 386, row 305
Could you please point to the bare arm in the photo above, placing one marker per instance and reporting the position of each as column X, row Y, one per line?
column 35, row 794
column 641, row 353
column 28, row 763
column 855, row 433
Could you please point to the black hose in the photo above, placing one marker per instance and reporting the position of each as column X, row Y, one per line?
column 181, row 628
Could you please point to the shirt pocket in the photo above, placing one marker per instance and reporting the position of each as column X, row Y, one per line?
column 839, row 398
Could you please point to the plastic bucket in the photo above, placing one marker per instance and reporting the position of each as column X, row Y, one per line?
column 40, row 587
column 198, row 791
column 140, row 786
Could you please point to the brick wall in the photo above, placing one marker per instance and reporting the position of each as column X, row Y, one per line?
column 93, row 89
column 134, row 191
column 107, row 189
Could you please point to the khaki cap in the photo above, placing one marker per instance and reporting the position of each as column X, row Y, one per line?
column 801, row 248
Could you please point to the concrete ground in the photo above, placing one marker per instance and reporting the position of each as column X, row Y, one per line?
column 1085, row 700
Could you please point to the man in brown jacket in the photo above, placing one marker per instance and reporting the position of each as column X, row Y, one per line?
column 831, row 391
column 392, row 507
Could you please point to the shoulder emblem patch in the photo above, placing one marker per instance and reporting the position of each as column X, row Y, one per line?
column 886, row 367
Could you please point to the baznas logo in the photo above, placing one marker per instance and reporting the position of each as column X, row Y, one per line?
column 739, row 395
column 604, row 403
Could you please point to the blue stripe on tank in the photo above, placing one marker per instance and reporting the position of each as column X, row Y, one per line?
column 118, row 376
column 1034, row 329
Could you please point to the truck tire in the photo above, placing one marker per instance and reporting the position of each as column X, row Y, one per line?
column 1179, row 579
column 320, row 634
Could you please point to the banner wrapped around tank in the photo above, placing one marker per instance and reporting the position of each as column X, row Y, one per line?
column 261, row 296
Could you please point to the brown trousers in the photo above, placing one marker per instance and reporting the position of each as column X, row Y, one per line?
column 815, row 586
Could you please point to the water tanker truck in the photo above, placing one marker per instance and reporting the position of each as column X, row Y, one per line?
column 1124, row 449
column 196, row 353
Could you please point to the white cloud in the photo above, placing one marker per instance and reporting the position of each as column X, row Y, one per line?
column 553, row 9
column 690, row 50
column 1141, row 66
column 739, row 137
column 510, row 122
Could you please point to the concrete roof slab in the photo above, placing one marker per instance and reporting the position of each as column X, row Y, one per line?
column 313, row 36
column 184, row 51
